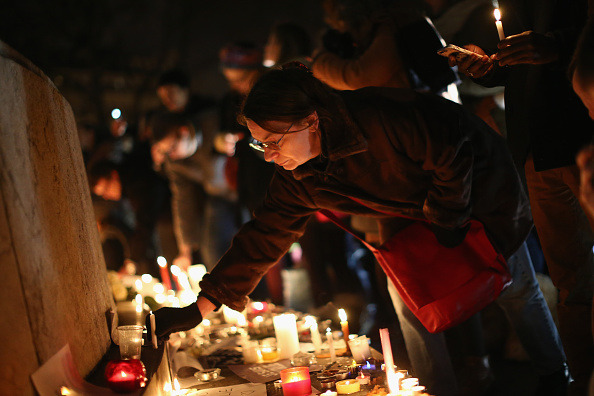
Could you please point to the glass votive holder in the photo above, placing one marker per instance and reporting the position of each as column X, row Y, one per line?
column 360, row 349
column 251, row 352
column 125, row 376
column 130, row 341
column 303, row 359
column 296, row 381
column 269, row 353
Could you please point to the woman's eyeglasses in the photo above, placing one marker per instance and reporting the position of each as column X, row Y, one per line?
column 261, row 146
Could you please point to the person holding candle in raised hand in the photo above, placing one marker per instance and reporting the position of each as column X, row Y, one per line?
column 546, row 127
column 377, row 152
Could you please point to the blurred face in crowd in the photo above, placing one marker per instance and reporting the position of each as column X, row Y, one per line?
column 109, row 188
column 240, row 80
column 174, row 97
column 298, row 144
column 175, row 146
column 584, row 88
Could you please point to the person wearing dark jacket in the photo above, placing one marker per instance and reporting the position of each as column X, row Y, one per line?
column 546, row 127
column 376, row 152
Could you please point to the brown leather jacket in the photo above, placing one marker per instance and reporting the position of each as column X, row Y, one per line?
column 406, row 154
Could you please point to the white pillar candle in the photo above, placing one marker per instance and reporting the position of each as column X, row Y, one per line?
column 287, row 339
column 498, row 23
column 316, row 339
column 387, row 349
column 331, row 345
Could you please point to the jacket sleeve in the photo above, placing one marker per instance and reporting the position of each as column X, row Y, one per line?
column 260, row 243
column 187, row 201
column 374, row 67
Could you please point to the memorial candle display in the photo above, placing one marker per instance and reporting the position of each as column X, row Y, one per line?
column 287, row 339
column 164, row 271
column 498, row 23
column 316, row 339
column 296, row 381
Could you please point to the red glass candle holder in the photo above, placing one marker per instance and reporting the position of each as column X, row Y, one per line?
column 124, row 376
column 296, row 381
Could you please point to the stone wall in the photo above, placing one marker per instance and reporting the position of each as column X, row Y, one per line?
column 53, row 284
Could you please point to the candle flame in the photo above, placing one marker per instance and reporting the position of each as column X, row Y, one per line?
column 342, row 315
column 497, row 14
column 162, row 261
column 175, row 270
column 393, row 378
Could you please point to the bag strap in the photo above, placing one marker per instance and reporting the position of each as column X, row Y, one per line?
column 333, row 218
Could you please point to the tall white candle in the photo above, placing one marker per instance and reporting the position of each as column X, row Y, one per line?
column 331, row 345
column 387, row 350
column 498, row 23
column 287, row 339
column 316, row 339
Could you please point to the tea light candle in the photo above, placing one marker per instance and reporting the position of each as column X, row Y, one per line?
column 269, row 353
column 330, row 345
column 296, row 381
column 498, row 24
column 164, row 271
column 329, row 393
column 363, row 379
column 347, row 386
column 418, row 390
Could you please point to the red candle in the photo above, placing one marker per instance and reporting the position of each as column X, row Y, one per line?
column 296, row 381
column 124, row 376
column 164, row 270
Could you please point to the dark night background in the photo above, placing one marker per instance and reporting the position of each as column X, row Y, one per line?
column 109, row 53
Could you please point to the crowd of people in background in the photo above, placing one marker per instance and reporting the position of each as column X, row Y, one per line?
column 187, row 172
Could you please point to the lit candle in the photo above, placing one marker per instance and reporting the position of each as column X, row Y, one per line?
column 387, row 349
column 363, row 379
column 344, row 325
column 393, row 379
column 176, row 271
column 329, row 393
column 296, row 381
column 153, row 329
column 409, row 383
column 316, row 339
column 164, row 272
column 498, row 23
column 330, row 345
column 347, row 386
